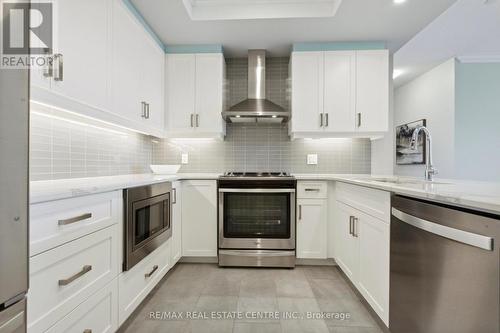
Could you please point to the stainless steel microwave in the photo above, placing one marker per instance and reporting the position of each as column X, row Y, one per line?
column 147, row 216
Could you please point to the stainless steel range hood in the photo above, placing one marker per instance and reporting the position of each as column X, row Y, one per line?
column 256, row 108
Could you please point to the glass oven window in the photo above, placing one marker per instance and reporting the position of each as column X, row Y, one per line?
column 150, row 218
column 257, row 215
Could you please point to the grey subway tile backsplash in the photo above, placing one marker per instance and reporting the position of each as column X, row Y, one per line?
column 63, row 148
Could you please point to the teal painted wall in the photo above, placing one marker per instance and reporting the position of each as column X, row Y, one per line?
column 195, row 48
column 477, row 121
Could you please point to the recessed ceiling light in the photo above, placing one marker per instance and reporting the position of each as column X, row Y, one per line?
column 398, row 2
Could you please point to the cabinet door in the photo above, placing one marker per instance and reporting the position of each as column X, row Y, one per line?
column 372, row 90
column 209, row 85
column 37, row 77
column 180, row 77
column 199, row 218
column 127, row 63
column 307, row 91
column 340, row 91
column 373, row 278
column 176, row 223
column 152, row 82
column 347, row 250
column 311, row 228
column 82, row 37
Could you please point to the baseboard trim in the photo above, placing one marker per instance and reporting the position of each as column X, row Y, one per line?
column 199, row 260
column 315, row 262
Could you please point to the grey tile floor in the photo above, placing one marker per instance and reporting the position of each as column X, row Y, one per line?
column 205, row 288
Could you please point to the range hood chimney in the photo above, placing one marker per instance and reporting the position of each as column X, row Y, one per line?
column 256, row 108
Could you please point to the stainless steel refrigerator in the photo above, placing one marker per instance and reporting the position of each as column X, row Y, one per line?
column 14, row 138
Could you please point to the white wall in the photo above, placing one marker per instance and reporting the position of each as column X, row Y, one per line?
column 382, row 152
column 430, row 96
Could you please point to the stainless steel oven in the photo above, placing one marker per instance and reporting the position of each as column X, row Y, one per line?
column 147, row 221
column 257, row 220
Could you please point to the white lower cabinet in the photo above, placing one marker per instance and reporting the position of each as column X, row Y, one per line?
column 135, row 284
column 199, row 218
column 64, row 277
column 176, row 239
column 362, row 252
column 312, row 228
column 98, row 314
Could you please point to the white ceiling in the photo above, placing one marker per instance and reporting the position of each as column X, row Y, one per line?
column 469, row 30
column 356, row 20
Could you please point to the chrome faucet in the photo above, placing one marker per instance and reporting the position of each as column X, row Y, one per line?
column 430, row 171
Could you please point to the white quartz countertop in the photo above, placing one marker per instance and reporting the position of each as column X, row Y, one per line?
column 476, row 195
column 484, row 196
column 49, row 190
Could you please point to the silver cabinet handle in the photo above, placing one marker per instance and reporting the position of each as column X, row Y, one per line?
column 469, row 238
column 359, row 119
column 88, row 330
column 174, row 195
column 197, row 120
column 59, row 75
column 147, row 111
column 192, row 119
column 85, row 270
column 147, row 275
column 326, row 119
column 48, row 70
column 312, row 189
column 300, row 212
column 350, row 224
column 143, row 110
column 321, row 120
column 355, row 221
column 75, row 219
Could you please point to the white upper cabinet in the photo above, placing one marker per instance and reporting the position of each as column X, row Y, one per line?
column 339, row 93
column 81, row 56
column 209, row 92
column 138, row 81
column 195, row 95
column 180, row 96
column 372, row 91
column 307, row 91
column 105, row 66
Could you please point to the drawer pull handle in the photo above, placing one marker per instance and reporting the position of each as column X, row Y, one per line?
column 312, row 189
column 88, row 330
column 75, row 219
column 155, row 267
column 85, row 270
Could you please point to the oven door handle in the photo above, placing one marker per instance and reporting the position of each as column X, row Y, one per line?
column 256, row 190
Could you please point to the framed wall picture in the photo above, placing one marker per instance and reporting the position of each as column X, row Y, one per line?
column 404, row 154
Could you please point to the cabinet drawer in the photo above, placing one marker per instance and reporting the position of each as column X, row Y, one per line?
column 312, row 190
column 373, row 202
column 57, row 222
column 98, row 314
column 62, row 278
column 135, row 284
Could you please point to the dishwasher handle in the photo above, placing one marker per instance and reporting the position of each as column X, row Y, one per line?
column 458, row 235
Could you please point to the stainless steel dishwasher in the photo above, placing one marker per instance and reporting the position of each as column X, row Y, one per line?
column 444, row 269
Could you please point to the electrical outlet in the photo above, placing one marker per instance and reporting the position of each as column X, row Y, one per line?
column 184, row 158
column 312, row 159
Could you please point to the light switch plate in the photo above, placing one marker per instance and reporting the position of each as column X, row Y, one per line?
column 312, row 159
column 184, row 158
